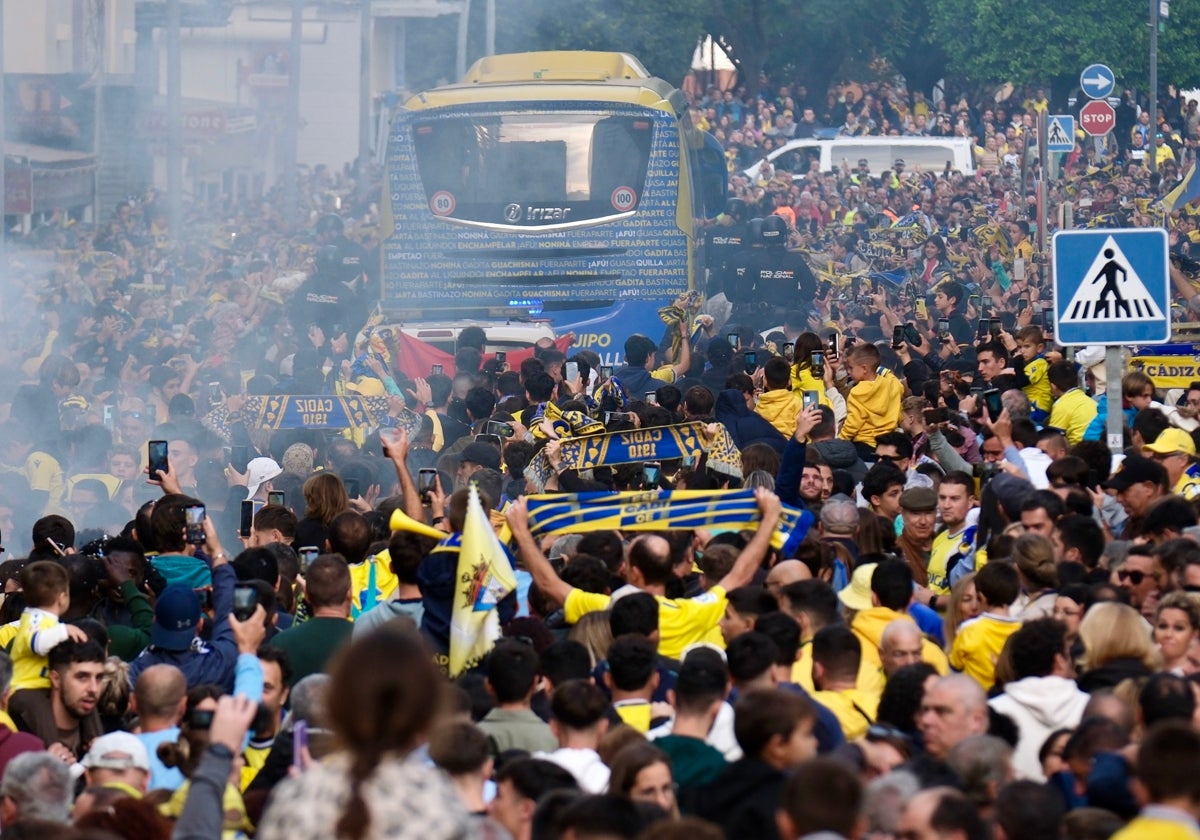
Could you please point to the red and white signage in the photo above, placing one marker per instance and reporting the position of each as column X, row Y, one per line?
column 1097, row 118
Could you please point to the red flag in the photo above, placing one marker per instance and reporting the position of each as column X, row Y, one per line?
column 415, row 359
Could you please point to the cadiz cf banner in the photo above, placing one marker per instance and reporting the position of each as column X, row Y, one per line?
column 322, row 411
column 1169, row 370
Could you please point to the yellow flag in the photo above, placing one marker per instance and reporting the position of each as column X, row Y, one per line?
column 484, row 577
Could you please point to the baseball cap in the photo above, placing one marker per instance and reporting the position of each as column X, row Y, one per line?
column 863, row 162
column 117, row 751
column 1170, row 441
column 1134, row 470
column 175, row 617
column 916, row 499
column 857, row 596
column 258, row 471
column 899, row 162
column 483, row 454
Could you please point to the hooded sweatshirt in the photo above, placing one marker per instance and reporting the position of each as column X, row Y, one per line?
column 780, row 408
column 1038, row 705
column 868, row 625
column 746, row 427
column 841, row 455
column 873, row 408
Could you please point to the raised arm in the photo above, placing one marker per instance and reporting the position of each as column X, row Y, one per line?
column 395, row 447
column 547, row 580
column 754, row 553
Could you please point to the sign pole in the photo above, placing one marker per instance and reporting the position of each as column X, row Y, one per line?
column 1113, row 370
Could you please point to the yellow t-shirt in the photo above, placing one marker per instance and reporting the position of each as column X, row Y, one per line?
column 255, row 757
column 1187, row 487
column 855, row 709
column 635, row 713
column 1038, row 389
column 978, row 644
column 946, row 547
column 871, row 678
column 681, row 621
column 37, row 630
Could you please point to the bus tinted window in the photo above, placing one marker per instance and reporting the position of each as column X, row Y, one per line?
column 533, row 169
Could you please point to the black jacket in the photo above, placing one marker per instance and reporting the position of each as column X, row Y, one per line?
column 742, row 800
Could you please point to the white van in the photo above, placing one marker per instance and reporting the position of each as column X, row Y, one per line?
column 928, row 153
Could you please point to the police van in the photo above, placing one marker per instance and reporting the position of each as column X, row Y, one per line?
column 881, row 153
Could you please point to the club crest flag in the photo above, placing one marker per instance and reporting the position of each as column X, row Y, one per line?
column 484, row 577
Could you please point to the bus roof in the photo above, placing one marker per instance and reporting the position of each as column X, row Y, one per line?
column 580, row 74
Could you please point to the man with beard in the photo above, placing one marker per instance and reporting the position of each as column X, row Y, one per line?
column 64, row 716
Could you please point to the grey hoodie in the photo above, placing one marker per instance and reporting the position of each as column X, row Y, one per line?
column 841, row 455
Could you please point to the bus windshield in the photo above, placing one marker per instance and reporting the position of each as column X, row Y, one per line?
column 533, row 169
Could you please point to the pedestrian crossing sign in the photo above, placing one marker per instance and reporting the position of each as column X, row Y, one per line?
column 1111, row 287
column 1060, row 133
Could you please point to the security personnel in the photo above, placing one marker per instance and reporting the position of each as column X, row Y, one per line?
column 782, row 279
column 352, row 259
column 739, row 284
column 724, row 244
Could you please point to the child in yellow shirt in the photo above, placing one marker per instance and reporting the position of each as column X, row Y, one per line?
column 46, row 587
column 1031, row 347
column 979, row 641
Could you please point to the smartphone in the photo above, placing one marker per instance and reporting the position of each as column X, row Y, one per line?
column 606, row 371
column 245, row 601
column 943, row 328
column 818, row 365
column 651, row 470
column 751, row 362
column 995, row 327
column 933, row 416
column 276, row 497
column 609, row 416
column 789, row 351
column 973, row 300
column 834, row 345
column 983, row 331
column 426, row 483
column 1022, row 305
column 500, row 429
column 651, row 398
column 108, row 417
column 688, row 462
column 922, row 309
column 214, row 392
column 572, row 372
column 1019, row 268
column 200, row 718
column 911, row 335
column 1048, row 318
column 157, row 458
column 986, row 302
column 897, row 335
column 991, row 400
column 299, row 743
column 246, row 522
column 308, row 553
column 811, row 399
column 239, row 457
column 733, row 340
column 435, row 370
column 194, row 516
column 352, row 488
column 206, row 599
column 501, row 356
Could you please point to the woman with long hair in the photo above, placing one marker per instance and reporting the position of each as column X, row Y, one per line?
column 1116, row 646
column 324, row 498
column 384, row 693
column 1038, row 570
column 1176, row 628
column 962, row 606
column 642, row 772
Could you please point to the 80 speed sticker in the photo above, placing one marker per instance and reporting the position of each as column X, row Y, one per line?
column 441, row 203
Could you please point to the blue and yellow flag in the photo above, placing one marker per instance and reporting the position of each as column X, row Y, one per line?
column 1185, row 192
column 484, row 578
column 661, row 510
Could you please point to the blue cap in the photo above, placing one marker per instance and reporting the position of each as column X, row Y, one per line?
column 175, row 617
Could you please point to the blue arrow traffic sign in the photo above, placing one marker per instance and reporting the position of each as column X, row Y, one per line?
column 1060, row 133
column 1097, row 81
column 1111, row 286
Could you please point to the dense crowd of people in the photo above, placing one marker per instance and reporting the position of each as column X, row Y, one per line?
column 923, row 599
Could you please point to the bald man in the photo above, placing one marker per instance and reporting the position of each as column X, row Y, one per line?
column 785, row 572
column 160, row 698
column 901, row 644
column 940, row 812
column 954, row 708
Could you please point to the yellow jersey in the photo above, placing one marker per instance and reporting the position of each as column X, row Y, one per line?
column 372, row 582
column 978, row 644
column 855, row 709
column 37, row 632
column 681, row 621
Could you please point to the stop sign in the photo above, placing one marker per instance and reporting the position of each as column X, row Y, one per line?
column 1097, row 118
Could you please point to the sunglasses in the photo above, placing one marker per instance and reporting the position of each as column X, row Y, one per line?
column 1135, row 577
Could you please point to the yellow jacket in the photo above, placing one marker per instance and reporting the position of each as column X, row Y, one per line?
column 873, row 408
column 780, row 408
column 804, row 380
column 1073, row 412
column 855, row 709
column 868, row 625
